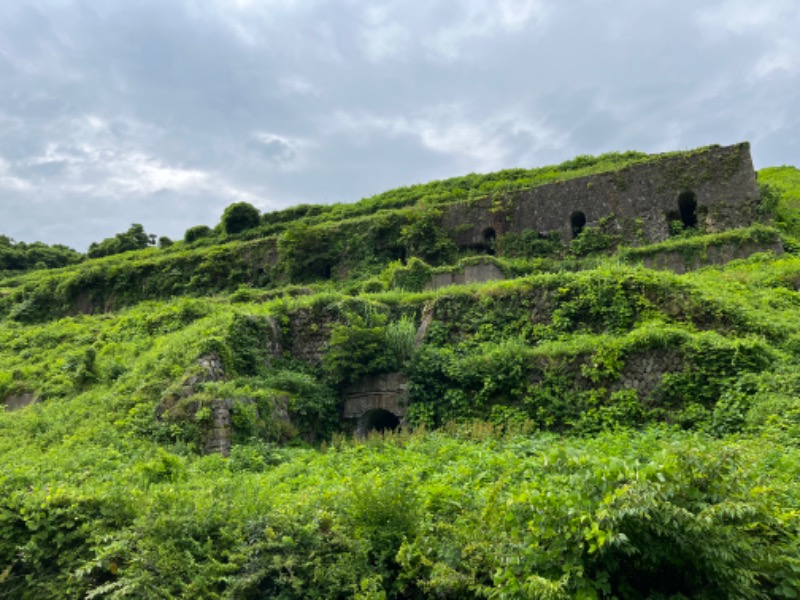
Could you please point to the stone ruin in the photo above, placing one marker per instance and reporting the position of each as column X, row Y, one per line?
column 714, row 188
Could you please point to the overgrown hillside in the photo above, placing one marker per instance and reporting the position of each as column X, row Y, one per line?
column 584, row 427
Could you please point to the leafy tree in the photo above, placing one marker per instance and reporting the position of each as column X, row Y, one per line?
column 19, row 256
column 239, row 217
column 134, row 239
column 195, row 233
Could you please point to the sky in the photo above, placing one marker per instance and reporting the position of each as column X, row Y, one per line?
column 164, row 112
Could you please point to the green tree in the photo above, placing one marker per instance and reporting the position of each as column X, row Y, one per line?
column 134, row 239
column 239, row 217
column 195, row 233
column 19, row 256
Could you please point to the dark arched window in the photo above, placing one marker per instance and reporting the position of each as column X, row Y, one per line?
column 489, row 239
column 577, row 221
column 687, row 206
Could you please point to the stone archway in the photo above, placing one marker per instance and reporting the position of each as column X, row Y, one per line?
column 378, row 420
column 577, row 222
column 377, row 403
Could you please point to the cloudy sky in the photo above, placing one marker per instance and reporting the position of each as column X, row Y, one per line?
column 163, row 112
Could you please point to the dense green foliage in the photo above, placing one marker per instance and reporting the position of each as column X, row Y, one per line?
column 786, row 180
column 197, row 232
column 239, row 217
column 134, row 239
column 588, row 428
column 19, row 256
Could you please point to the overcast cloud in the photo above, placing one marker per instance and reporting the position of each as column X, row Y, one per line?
column 164, row 112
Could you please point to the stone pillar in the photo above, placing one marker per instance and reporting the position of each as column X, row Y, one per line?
column 218, row 438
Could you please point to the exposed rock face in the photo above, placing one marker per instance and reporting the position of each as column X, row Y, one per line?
column 211, row 369
column 425, row 322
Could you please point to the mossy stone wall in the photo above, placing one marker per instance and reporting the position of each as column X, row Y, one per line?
column 640, row 199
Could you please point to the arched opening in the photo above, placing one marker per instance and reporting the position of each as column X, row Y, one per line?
column 378, row 420
column 577, row 222
column 398, row 253
column 687, row 206
column 489, row 239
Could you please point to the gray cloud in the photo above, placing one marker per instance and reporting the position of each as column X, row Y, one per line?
column 163, row 113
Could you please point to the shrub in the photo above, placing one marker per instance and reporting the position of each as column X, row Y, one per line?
column 411, row 277
column 401, row 339
column 133, row 239
column 307, row 253
column 195, row 233
column 424, row 237
column 356, row 350
column 594, row 239
column 239, row 217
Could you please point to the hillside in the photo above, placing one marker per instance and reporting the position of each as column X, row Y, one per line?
column 601, row 413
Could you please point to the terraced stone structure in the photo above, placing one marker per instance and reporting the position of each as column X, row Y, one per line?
column 714, row 188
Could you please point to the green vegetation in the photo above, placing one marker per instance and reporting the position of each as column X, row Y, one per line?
column 134, row 239
column 19, row 256
column 587, row 428
column 197, row 232
column 785, row 183
column 239, row 217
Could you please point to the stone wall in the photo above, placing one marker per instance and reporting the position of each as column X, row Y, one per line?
column 720, row 254
column 643, row 371
column 386, row 391
column 218, row 435
column 640, row 199
column 19, row 401
column 477, row 273
column 309, row 333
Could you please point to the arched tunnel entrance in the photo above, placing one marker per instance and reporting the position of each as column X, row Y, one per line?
column 377, row 420
column 577, row 222
column 377, row 403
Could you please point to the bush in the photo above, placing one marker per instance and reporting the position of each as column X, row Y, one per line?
column 401, row 339
column 358, row 349
column 133, row 239
column 593, row 239
column 19, row 256
column 239, row 217
column 307, row 253
column 195, row 233
column 411, row 277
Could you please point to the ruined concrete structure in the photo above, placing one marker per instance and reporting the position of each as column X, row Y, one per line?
column 377, row 402
column 19, row 401
column 714, row 188
column 476, row 273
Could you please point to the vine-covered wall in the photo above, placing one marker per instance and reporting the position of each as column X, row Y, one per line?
column 641, row 200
